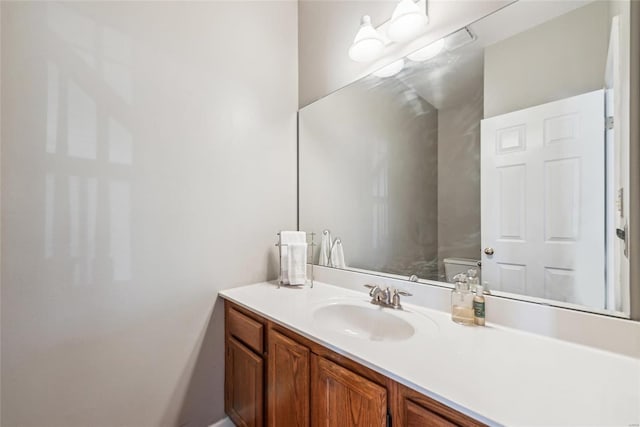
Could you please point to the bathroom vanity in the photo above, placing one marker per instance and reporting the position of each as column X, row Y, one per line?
column 307, row 357
column 277, row 375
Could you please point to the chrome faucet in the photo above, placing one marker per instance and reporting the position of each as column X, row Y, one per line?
column 387, row 297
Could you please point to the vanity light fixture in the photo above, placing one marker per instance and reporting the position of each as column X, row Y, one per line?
column 390, row 70
column 368, row 43
column 407, row 21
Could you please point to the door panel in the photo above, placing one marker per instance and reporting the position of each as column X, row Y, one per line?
column 543, row 195
column 512, row 186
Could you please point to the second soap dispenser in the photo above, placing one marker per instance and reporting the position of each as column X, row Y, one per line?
column 462, row 301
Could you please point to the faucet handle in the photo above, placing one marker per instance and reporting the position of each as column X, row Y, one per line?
column 395, row 300
column 372, row 288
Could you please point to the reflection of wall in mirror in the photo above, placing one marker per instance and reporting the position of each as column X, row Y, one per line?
column 558, row 59
column 372, row 151
column 459, row 180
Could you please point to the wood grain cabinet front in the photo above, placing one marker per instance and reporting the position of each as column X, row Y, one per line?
column 308, row 385
column 288, row 374
column 343, row 398
column 244, row 390
column 413, row 409
column 244, row 366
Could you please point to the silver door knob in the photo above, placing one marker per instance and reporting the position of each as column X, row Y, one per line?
column 489, row 251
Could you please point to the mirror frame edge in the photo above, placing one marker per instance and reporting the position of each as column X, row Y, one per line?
column 634, row 167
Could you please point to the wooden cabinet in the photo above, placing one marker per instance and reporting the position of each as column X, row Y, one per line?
column 243, row 385
column 288, row 374
column 247, row 329
column 343, row 398
column 306, row 384
column 414, row 409
column 244, row 368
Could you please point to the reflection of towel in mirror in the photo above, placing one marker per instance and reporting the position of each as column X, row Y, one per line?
column 325, row 248
column 337, row 255
column 287, row 238
column 297, row 263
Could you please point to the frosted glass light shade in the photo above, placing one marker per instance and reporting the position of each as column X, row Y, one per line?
column 367, row 44
column 390, row 70
column 406, row 21
column 429, row 51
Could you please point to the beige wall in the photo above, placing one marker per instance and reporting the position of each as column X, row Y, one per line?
column 137, row 141
column 558, row 59
column 327, row 29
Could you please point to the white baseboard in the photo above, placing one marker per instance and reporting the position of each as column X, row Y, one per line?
column 225, row 422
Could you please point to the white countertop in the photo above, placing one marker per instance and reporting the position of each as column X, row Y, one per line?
column 494, row 374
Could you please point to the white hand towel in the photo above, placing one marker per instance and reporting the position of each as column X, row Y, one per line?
column 286, row 238
column 297, row 263
column 325, row 248
column 337, row 255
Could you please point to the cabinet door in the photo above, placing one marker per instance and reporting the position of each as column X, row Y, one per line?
column 413, row 409
column 288, row 373
column 418, row 416
column 344, row 398
column 243, row 385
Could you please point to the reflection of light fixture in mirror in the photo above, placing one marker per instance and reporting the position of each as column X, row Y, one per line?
column 407, row 20
column 429, row 51
column 390, row 70
column 368, row 44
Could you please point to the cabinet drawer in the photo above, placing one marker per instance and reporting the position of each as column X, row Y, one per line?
column 414, row 409
column 246, row 329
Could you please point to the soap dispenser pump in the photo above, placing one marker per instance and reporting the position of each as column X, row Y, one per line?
column 473, row 280
column 462, row 301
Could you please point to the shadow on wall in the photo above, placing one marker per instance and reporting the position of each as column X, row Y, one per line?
column 207, row 377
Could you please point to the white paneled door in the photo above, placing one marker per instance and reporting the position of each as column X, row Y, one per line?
column 543, row 194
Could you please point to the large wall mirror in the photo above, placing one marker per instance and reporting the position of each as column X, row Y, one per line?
column 501, row 147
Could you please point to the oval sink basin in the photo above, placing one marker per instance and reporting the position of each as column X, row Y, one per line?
column 370, row 323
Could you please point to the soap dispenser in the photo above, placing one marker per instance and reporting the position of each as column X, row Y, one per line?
column 478, row 306
column 462, row 301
